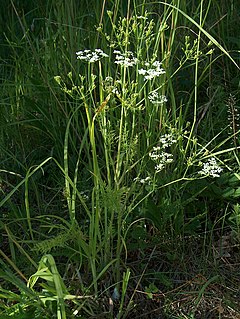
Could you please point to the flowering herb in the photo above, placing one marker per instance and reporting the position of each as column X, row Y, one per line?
column 91, row 56
column 142, row 17
column 158, row 153
column 161, row 158
column 125, row 59
column 143, row 180
column 152, row 71
column 167, row 140
column 156, row 98
column 211, row 168
column 109, row 85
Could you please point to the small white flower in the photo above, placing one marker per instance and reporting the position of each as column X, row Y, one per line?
column 84, row 196
column 125, row 59
column 91, row 56
column 154, row 155
column 167, row 140
column 155, row 71
column 157, row 64
column 166, row 157
column 142, row 71
column 159, row 167
column 155, row 98
column 158, row 154
column 143, row 180
column 109, row 79
column 115, row 91
column 118, row 57
column 211, row 168
column 142, row 17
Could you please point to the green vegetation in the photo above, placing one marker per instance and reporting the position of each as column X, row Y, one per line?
column 119, row 159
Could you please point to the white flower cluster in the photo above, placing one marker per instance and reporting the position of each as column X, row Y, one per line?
column 163, row 159
column 108, row 84
column 158, row 153
column 167, row 140
column 91, row 56
column 155, row 98
column 126, row 59
column 142, row 17
column 143, row 180
column 211, row 168
column 115, row 91
column 152, row 71
column 84, row 195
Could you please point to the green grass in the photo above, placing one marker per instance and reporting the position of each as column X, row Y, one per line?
column 120, row 181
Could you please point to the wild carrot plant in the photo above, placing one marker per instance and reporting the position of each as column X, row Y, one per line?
column 121, row 141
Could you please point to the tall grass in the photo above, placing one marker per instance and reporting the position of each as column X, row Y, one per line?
column 99, row 151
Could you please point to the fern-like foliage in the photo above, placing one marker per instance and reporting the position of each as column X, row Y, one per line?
column 60, row 240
